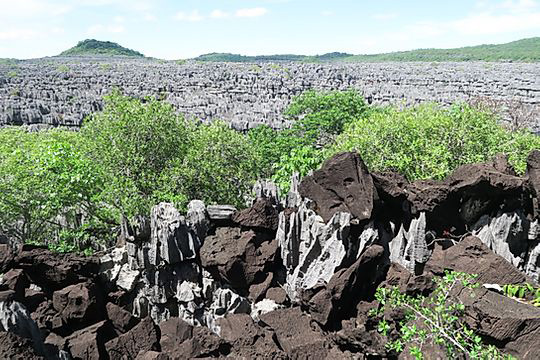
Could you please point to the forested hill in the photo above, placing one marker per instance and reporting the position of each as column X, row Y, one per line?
column 525, row 50
column 96, row 47
column 227, row 57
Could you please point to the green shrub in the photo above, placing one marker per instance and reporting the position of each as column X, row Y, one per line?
column 429, row 142
column 62, row 68
column 434, row 320
column 149, row 154
column 220, row 166
column 134, row 144
column 317, row 118
column 44, row 176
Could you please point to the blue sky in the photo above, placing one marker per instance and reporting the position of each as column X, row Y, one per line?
column 186, row 28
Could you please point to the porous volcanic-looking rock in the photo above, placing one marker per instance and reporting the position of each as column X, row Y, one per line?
column 63, row 91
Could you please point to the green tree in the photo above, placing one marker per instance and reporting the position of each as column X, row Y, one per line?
column 135, row 143
column 44, row 180
column 220, row 166
column 429, row 142
column 318, row 117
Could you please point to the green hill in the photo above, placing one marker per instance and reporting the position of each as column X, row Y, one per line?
column 525, row 50
column 95, row 47
column 226, row 57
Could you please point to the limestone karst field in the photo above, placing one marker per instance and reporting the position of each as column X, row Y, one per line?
column 62, row 91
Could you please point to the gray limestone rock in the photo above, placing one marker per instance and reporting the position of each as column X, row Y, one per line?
column 40, row 96
column 171, row 241
column 514, row 237
column 409, row 247
column 311, row 249
column 220, row 212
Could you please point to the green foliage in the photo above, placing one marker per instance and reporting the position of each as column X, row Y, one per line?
column 429, row 142
column 44, row 177
column 522, row 50
column 220, row 166
column 525, row 50
column 525, row 292
column 134, row 144
column 317, row 118
column 319, row 115
column 95, row 47
column 227, row 57
column 435, row 319
column 12, row 74
column 62, row 68
column 105, row 67
column 149, row 154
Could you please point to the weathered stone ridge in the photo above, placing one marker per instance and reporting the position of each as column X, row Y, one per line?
column 63, row 91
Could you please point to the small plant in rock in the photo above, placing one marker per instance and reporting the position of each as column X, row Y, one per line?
column 62, row 68
column 434, row 319
column 525, row 292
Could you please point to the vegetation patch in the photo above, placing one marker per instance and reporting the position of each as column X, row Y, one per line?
column 95, row 47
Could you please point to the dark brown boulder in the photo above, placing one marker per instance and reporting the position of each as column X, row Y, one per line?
column 408, row 283
column 78, row 304
column 471, row 256
column 261, row 215
column 296, row 335
column 348, row 286
column 14, row 347
column 533, row 177
column 32, row 298
column 509, row 324
column 248, row 340
column 427, row 195
column 55, row 271
column 482, row 188
column 393, row 205
column 179, row 340
column 238, row 258
column 342, row 184
column 143, row 337
column 16, row 280
column 121, row 320
column 278, row 295
column 498, row 174
column 173, row 332
column 257, row 291
column 88, row 343
column 360, row 335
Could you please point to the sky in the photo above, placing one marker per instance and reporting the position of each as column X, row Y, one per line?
column 179, row 29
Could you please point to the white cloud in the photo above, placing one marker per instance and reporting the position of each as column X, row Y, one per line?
column 24, row 9
column 517, row 6
column 496, row 24
column 251, row 12
column 150, row 18
column 193, row 16
column 18, row 34
column 219, row 14
column 327, row 13
column 386, row 16
column 100, row 29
